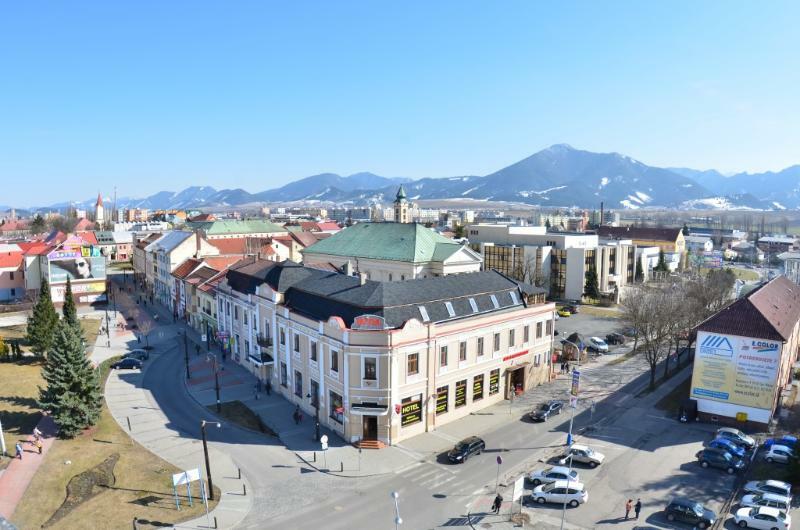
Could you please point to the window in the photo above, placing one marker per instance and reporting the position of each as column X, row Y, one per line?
column 443, row 356
column 473, row 305
column 424, row 313
column 235, row 312
column 227, row 308
column 284, row 378
column 402, row 277
column 450, row 310
column 462, row 351
column 538, row 330
column 513, row 296
column 537, row 360
column 390, row 276
column 298, row 384
column 494, row 381
column 370, row 368
column 480, row 346
column 313, row 351
column 10, row 275
column 334, row 361
column 442, row 399
column 337, row 408
column 236, row 342
column 247, row 346
column 461, row 393
column 412, row 364
column 511, row 338
column 314, row 391
column 496, row 342
column 495, row 303
column 283, row 337
column 526, row 334
column 549, row 327
column 254, row 321
column 296, row 342
column 477, row 388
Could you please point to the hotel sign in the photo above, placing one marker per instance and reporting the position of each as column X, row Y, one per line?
column 369, row 323
column 411, row 411
column 461, row 393
column 494, row 382
column 442, row 397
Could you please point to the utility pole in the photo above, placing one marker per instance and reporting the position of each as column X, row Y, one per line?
column 573, row 405
column 186, row 355
column 205, row 453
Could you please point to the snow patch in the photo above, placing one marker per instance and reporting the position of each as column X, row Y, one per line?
column 643, row 196
column 470, row 190
column 542, row 192
column 628, row 204
column 778, row 205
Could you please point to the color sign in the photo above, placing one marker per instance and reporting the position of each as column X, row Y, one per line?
column 494, row 382
column 576, row 382
column 369, row 323
column 477, row 387
column 411, row 412
column 737, row 370
column 77, row 268
column 442, row 399
column 461, row 393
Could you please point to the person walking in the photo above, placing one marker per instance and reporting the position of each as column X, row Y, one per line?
column 628, row 506
column 39, row 445
column 297, row 415
column 269, row 387
column 498, row 502
column 18, row 447
column 637, row 507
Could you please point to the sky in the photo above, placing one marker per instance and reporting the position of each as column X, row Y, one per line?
column 151, row 95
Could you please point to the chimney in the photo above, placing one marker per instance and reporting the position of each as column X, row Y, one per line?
column 362, row 276
column 601, row 214
column 348, row 268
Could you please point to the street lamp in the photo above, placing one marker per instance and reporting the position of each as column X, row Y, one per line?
column 205, row 453
column 315, row 402
column 397, row 519
column 569, row 435
column 216, row 380
column 186, row 355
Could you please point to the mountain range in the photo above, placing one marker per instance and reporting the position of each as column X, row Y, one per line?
column 559, row 176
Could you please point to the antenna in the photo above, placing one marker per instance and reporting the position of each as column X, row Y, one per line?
column 115, row 217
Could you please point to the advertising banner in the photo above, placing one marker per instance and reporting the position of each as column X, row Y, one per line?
column 77, row 268
column 461, row 393
column 576, row 382
column 442, row 399
column 494, row 382
column 411, row 411
column 737, row 370
column 84, row 292
column 477, row 387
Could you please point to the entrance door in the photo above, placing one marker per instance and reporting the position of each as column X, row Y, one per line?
column 370, row 427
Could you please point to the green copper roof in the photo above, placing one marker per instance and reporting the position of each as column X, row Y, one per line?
column 410, row 242
column 250, row 226
column 401, row 193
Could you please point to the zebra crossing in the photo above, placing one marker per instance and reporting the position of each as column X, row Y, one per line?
column 434, row 478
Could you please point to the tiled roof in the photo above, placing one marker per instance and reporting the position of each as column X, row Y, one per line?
column 169, row 241
column 221, row 262
column 769, row 312
column 14, row 226
column 643, row 233
column 89, row 237
column 83, row 224
column 11, row 260
column 202, row 274
column 34, row 248
column 409, row 242
column 184, row 269
column 224, row 227
column 238, row 245
column 306, row 239
column 213, row 282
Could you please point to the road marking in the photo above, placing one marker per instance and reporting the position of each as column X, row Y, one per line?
column 445, row 436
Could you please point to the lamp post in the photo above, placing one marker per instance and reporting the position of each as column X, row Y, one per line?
column 569, row 435
column 397, row 519
column 186, row 355
column 315, row 402
column 216, row 380
column 205, row 453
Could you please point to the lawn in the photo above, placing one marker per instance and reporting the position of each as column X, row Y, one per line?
column 90, row 327
column 238, row 413
column 18, row 395
column 142, row 483
column 741, row 274
column 672, row 401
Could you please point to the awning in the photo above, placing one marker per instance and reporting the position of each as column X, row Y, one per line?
column 369, row 409
column 517, row 366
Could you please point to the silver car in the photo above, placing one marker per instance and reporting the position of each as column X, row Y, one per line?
column 552, row 474
column 770, row 500
column 583, row 454
column 572, row 493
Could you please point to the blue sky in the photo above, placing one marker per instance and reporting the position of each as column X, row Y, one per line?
column 154, row 95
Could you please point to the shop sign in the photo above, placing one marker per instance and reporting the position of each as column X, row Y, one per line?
column 461, row 393
column 369, row 323
column 477, row 387
column 442, row 396
column 494, row 382
column 411, row 412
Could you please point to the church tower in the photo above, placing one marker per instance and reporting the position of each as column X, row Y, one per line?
column 99, row 211
column 401, row 213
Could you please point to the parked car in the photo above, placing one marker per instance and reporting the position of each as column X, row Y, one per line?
column 583, row 454
column 688, row 511
column 737, row 437
column 563, row 312
column 766, row 499
column 787, row 440
column 615, row 338
column 555, row 333
column 466, row 448
column 769, row 486
column 597, row 344
column 726, row 445
column 573, row 493
column 574, row 309
column 762, row 517
column 141, row 355
column 722, row 460
column 127, row 364
column 552, row 474
column 545, row 410
column 779, row 453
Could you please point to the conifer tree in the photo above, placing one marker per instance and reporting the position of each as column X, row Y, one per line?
column 592, row 289
column 42, row 322
column 69, row 311
column 662, row 262
column 639, row 275
column 72, row 395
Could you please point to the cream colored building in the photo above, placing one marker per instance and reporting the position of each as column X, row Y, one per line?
column 388, row 360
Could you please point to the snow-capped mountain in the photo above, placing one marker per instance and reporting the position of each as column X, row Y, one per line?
column 782, row 186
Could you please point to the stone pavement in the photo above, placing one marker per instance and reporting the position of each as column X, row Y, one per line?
column 14, row 480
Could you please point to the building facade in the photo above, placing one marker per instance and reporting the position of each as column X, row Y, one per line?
column 384, row 361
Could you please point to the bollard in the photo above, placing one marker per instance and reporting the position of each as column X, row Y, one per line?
column 135, row 526
column 315, row 457
column 341, row 466
column 129, row 423
column 215, row 521
column 244, row 489
column 240, row 473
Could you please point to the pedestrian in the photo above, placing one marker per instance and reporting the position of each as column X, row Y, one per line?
column 498, row 503
column 36, row 433
column 197, row 349
column 637, row 507
column 628, row 506
column 297, row 416
column 566, row 367
column 19, row 451
column 39, row 446
column 269, row 387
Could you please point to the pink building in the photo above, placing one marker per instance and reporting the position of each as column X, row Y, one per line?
column 12, row 275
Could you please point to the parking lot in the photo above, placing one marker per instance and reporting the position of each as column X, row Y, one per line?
column 591, row 325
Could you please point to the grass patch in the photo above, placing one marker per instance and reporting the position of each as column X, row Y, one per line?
column 740, row 274
column 142, row 486
column 18, row 395
column 599, row 311
column 672, row 401
column 90, row 327
column 623, row 358
column 760, row 469
column 237, row 412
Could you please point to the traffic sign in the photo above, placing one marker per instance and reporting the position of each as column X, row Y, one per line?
column 499, row 460
column 203, row 338
column 576, row 382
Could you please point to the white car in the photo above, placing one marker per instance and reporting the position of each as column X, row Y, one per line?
column 597, row 344
column 769, row 486
column 770, row 500
column 763, row 517
column 561, row 492
column 779, row 453
column 552, row 474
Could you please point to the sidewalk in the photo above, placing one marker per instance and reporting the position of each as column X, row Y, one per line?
column 14, row 480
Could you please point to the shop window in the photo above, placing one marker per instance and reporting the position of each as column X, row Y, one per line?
column 337, row 407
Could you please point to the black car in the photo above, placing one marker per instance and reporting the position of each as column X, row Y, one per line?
column 127, row 364
column 139, row 355
column 574, row 309
column 615, row 338
column 710, row 457
column 466, row 448
column 545, row 410
column 688, row 511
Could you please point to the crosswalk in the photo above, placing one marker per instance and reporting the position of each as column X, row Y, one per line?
column 434, row 478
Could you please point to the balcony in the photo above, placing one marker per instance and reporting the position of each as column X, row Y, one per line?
column 263, row 341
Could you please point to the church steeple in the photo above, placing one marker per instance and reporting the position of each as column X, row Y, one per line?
column 401, row 213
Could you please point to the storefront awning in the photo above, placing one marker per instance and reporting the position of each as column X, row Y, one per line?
column 369, row 409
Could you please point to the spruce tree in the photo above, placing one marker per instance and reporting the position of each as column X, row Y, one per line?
column 662, row 262
column 639, row 275
column 72, row 395
column 69, row 311
column 42, row 322
column 592, row 289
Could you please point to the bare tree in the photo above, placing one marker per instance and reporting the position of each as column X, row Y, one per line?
column 146, row 326
column 647, row 309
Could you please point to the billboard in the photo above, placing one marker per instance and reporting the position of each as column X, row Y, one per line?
column 736, row 370
column 77, row 268
column 83, row 292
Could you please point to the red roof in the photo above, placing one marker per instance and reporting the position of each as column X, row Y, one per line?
column 99, row 200
column 203, row 217
column 83, row 225
column 238, row 245
column 14, row 226
column 213, row 282
column 89, row 237
column 11, row 260
column 221, row 262
column 328, row 226
column 34, row 248
column 185, row 268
